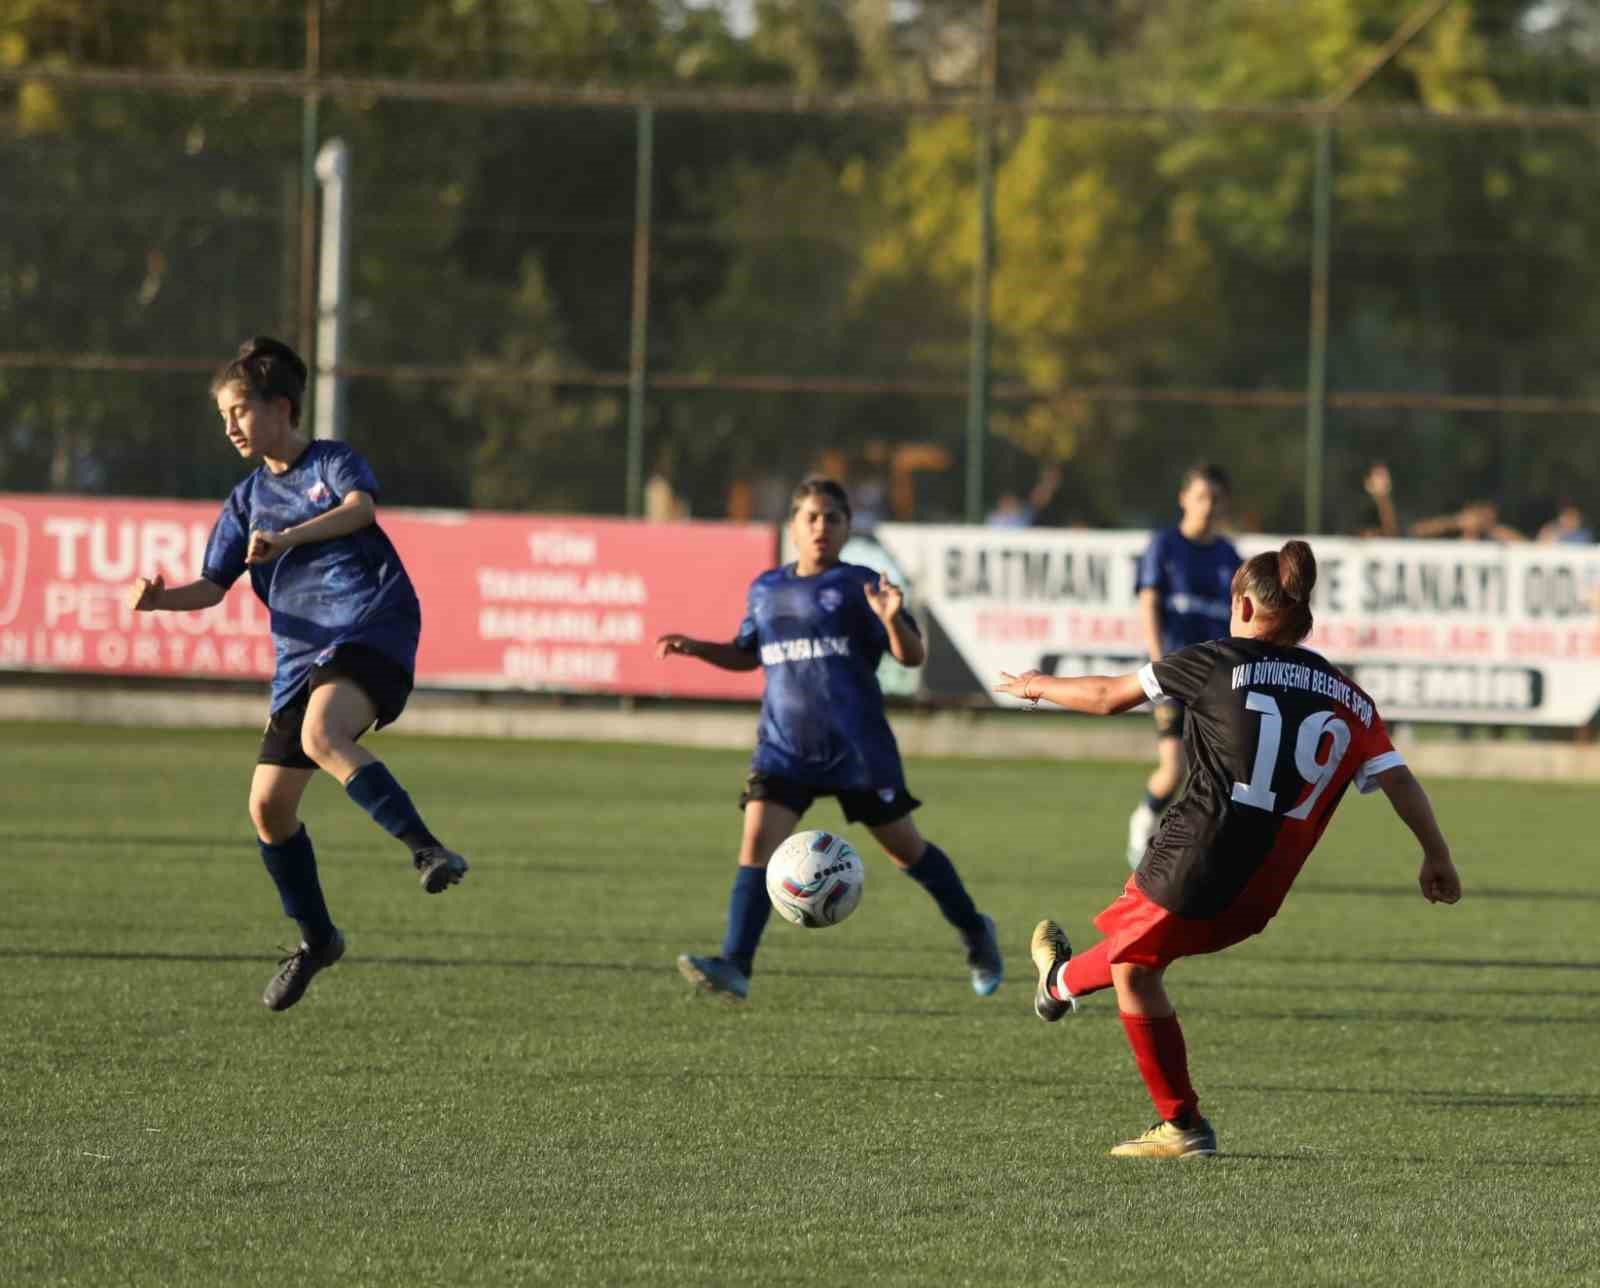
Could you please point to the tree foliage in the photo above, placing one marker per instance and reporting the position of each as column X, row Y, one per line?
column 1137, row 253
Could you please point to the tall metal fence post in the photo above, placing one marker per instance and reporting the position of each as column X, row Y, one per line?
column 1317, row 371
column 309, row 129
column 333, row 287
column 639, row 336
column 978, row 380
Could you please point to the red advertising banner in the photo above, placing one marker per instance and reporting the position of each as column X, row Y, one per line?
column 508, row 601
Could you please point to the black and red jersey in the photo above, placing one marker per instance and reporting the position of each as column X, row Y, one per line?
column 1274, row 736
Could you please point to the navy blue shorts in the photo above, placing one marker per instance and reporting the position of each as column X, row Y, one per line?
column 378, row 675
column 868, row 807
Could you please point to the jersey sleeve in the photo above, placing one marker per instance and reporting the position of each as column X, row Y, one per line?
column 748, row 637
column 1180, row 676
column 1377, row 755
column 225, row 549
column 349, row 472
column 1151, row 574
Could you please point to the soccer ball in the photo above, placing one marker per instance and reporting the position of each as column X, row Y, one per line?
column 815, row 879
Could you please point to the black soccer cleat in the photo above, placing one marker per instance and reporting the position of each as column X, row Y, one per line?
column 298, row 969
column 438, row 867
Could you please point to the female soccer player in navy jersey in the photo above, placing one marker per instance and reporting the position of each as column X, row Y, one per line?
column 345, row 625
column 820, row 628
column 1275, row 735
column 1183, row 583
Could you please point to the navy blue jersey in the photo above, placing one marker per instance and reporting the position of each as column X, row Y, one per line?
column 1194, row 583
column 350, row 590
column 822, row 720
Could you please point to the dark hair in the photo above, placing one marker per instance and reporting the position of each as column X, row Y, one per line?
column 1209, row 473
column 267, row 368
column 818, row 485
column 1280, row 582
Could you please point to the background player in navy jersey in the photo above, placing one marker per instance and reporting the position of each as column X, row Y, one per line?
column 820, row 628
column 1276, row 735
column 1183, row 599
column 345, row 625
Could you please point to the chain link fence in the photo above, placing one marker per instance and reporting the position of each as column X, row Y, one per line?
column 802, row 288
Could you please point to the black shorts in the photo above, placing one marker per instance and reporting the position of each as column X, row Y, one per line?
column 872, row 808
column 1169, row 719
column 379, row 676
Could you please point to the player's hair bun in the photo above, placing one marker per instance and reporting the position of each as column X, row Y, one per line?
column 268, row 368
column 1297, row 571
column 264, row 346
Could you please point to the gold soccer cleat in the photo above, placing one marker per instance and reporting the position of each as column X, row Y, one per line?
column 1168, row 1140
column 1050, row 948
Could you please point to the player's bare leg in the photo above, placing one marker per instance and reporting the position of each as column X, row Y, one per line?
column 337, row 713
column 767, row 824
column 930, row 867
column 727, row 975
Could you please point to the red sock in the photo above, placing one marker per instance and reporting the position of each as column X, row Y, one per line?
column 1163, row 1063
column 1087, row 973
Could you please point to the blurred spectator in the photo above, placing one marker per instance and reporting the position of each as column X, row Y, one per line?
column 1479, row 521
column 1567, row 527
column 1380, row 487
column 662, row 504
column 1012, row 511
column 869, row 505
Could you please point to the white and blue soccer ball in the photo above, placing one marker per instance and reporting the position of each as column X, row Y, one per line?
column 815, row 879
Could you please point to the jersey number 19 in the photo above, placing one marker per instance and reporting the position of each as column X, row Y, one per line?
column 1308, row 741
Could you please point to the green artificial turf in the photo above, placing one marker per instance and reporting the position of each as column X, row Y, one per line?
column 509, row 1083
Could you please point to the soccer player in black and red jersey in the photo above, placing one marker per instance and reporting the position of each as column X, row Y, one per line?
column 1275, row 735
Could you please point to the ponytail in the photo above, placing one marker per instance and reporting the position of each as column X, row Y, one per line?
column 1281, row 583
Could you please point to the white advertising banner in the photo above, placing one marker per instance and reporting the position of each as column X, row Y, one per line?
column 1472, row 632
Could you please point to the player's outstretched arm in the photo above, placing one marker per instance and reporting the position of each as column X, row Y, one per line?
column 1095, row 695
column 726, row 657
column 147, row 594
column 1438, row 878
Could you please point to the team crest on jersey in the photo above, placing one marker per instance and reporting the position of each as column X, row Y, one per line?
column 318, row 492
column 830, row 598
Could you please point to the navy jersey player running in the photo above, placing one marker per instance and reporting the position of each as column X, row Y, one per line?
column 345, row 625
column 1276, row 734
column 1183, row 599
column 819, row 627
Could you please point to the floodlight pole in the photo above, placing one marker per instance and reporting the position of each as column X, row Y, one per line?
column 333, row 285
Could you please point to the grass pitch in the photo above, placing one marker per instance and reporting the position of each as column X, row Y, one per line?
column 509, row 1083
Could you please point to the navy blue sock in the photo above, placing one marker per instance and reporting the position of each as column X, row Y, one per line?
column 374, row 789
column 748, row 909
column 293, row 868
column 937, row 875
column 1157, row 804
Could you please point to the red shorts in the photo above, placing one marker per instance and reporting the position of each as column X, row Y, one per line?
column 1137, row 929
